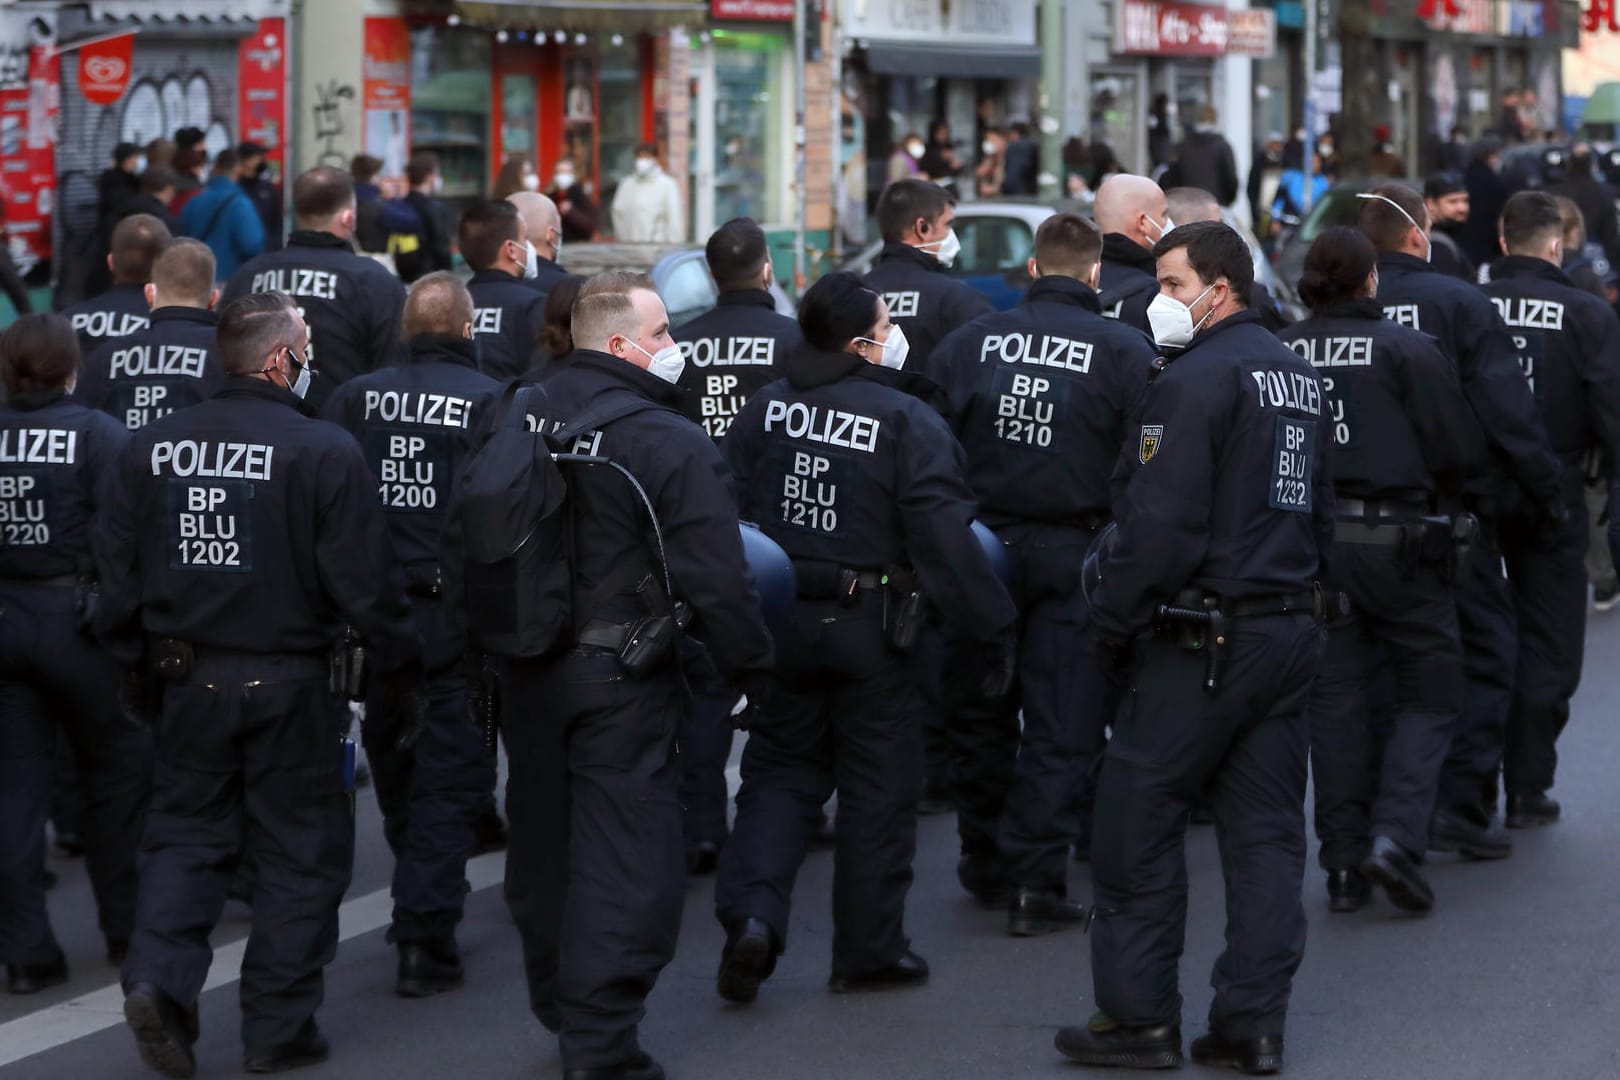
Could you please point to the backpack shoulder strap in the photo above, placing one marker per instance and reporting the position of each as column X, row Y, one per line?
column 617, row 407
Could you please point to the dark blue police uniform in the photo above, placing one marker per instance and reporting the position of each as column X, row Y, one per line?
column 594, row 876
column 151, row 373
column 923, row 299
column 547, row 273
column 1472, row 335
column 1041, row 398
column 507, row 318
column 1129, row 281
column 240, row 538
column 1226, row 497
column 57, row 467
column 414, row 422
column 861, row 484
column 1569, row 346
column 119, row 312
column 1402, row 432
column 353, row 306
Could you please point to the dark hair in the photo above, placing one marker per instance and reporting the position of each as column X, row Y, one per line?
column 1530, row 218
column 836, row 310
column 484, row 228
column 1574, row 220
column 364, row 168
column 188, row 137
column 1336, row 267
column 557, row 335
column 137, row 241
column 38, row 352
column 1213, row 251
column 423, row 164
column 737, row 252
column 905, row 201
column 647, row 149
column 226, row 160
column 158, row 178
column 509, row 181
column 251, row 327
column 1441, row 184
column 1386, row 226
column 321, row 194
column 1067, row 245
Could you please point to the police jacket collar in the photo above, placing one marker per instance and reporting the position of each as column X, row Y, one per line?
column 1063, row 290
column 1400, row 260
column 36, row 399
column 1119, row 248
column 809, row 367
column 1366, row 308
column 1528, row 266
column 759, row 298
column 444, row 349
column 547, row 265
column 493, row 274
column 245, row 386
column 1241, row 318
column 898, row 252
column 176, row 313
column 638, row 379
column 316, row 238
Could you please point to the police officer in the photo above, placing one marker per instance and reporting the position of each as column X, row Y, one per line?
column 1225, row 517
column 1474, row 338
column 919, row 246
column 170, row 364
column 595, row 880
column 241, row 536
column 508, row 314
column 413, row 420
column 730, row 352
column 1133, row 215
column 1041, row 397
column 1569, row 344
column 57, row 460
column 544, row 223
column 350, row 304
column 1402, row 431
column 1189, row 204
column 862, row 485
column 121, row 310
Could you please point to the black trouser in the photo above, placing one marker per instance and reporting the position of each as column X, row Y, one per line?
column 936, row 690
column 594, row 873
column 1490, row 640
column 1025, row 791
column 1246, row 744
column 430, row 797
column 1548, row 582
column 845, row 715
column 705, row 747
column 250, row 766
column 54, row 680
column 1406, row 624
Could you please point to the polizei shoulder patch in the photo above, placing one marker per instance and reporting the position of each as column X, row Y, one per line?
column 1152, row 435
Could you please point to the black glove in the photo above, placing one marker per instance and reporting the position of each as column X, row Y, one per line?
column 397, row 713
column 758, row 687
column 140, row 697
column 998, row 668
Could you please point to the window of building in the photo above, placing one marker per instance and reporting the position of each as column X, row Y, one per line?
column 450, row 108
column 748, row 111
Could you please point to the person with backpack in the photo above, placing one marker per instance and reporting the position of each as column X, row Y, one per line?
column 222, row 216
column 580, row 575
column 1133, row 215
column 414, row 421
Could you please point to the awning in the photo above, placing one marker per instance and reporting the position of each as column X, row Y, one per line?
column 1005, row 62
column 594, row 15
column 197, row 11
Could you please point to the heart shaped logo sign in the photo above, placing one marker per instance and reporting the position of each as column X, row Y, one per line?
column 104, row 68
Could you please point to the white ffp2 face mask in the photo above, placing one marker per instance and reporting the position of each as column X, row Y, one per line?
column 1172, row 321
column 667, row 363
column 531, row 268
column 895, row 350
column 947, row 249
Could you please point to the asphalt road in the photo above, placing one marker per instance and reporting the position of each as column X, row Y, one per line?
column 1515, row 974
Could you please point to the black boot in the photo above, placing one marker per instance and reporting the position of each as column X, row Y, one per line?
column 1034, row 912
column 1532, row 810
column 32, row 978
column 1253, row 1056
column 1471, row 831
column 640, row 1068
column 1104, row 1042
column 164, row 1032
column 909, row 970
column 984, row 878
column 428, row 967
column 747, row 960
column 1347, row 891
column 1390, row 867
column 308, row 1048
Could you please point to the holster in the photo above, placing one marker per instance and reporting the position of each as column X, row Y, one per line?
column 486, row 700
column 903, row 609
column 173, row 660
column 348, row 668
column 423, row 579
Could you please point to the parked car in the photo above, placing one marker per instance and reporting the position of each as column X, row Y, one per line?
column 688, row 289
column 1338, row 207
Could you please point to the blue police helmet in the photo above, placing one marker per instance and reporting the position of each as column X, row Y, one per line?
column 772, row 574
column 995, row 551
column 1101, row 550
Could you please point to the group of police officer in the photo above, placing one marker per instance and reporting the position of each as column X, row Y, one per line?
column 1220, row 558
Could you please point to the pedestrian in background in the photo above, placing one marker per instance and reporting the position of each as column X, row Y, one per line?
column 1204, row 159
column 433, row 250
column 903, row 162
column 647, row 204
column 517, row 174
column 257, row 180
column 224, row 217
column 573, row 202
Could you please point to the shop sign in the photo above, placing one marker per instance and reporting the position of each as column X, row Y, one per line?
column 261, row 77
column 104, row 68
column 1251, row 33
column 960, row 22
column 30, row 99
column 1491, row 18
column 752, row 10
column 1155, row 28
column 386, row 95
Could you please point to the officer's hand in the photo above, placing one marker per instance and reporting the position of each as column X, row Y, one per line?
column 140, row 698
column 402, row 706
column 1000, row 667
column 757, row 689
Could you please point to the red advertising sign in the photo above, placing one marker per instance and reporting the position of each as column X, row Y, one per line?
column 1251, row 33
column 104, row 68
column 30, row 97
column 261, row 77
column 386, row 98
column 752, row 10
column 1170, row 28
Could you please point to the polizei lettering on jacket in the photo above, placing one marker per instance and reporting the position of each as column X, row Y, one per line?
column 830, row 426
column 1335, row 351
column 220, row 460
column 730, row 352
column 1048, row 350
column 1530, row 313
column 105, row 324
column 1288, row 390
column 298, row 281
column 39, row 446
column 434, row 410
column 140, row 361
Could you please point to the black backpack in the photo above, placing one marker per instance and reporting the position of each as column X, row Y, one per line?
column 513, row 515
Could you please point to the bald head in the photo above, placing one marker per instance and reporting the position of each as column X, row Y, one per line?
column 1132, row 206
column 438, row 304
column 542, row 218
column 1189, row 204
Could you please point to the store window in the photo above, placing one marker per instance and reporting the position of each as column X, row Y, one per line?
column 518, row 116
column 617, row 119
column 1116, row 115
column 748, row 180
column 450, row 108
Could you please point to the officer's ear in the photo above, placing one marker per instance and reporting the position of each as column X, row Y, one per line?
column 467, row 331
column 110, row 265
column 1034, row 269
column 213, row 299
column 1095, row 280
column 1501, row 241
column 920, row 226
column 150, row 292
